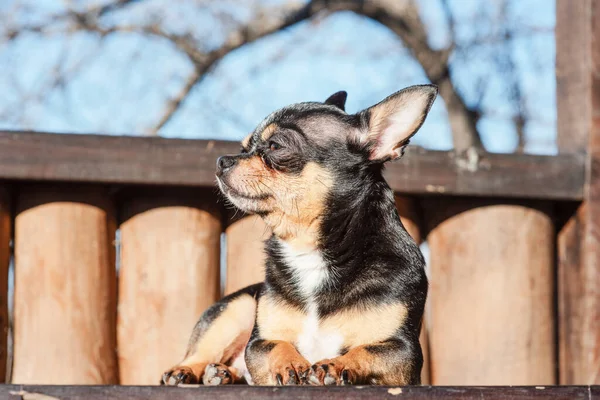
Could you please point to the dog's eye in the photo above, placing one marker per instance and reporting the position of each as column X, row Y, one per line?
column 274, row 146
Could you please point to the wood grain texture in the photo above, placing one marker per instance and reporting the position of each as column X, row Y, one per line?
column 5, row 236
column 491, row 294
column 245, row 252
column 169, row 274
column 65, row 286
column 178, row 162
column 578, row 95
column 235, row 392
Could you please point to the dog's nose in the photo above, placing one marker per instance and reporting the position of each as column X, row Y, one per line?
column 224, row 163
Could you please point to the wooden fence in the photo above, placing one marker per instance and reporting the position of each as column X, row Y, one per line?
column 514, row 245
column 490, row 227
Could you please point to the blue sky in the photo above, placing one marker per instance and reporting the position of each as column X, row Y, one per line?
column 120, row 84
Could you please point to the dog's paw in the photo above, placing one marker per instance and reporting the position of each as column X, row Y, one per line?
column 179, row 375
column 217, row 374
column 293, row 373
column 330, row 372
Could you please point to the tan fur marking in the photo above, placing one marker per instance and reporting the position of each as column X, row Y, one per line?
column 279, row 361
column 268, row 132
column 246, row 140
column 250, row 167
column 280, row 321
column 282, row 357
column 301, row 204
column 229, row 332
column 368, row 368
column 295, row 203
column 365, row 326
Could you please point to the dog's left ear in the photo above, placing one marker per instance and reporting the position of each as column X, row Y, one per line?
column 393, row 121
column 338, row 99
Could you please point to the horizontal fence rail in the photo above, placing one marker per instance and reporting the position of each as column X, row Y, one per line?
column 301, row 392
column 35, row 156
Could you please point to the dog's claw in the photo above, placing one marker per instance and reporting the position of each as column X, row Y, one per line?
column 314, row 380
column 345, row 377
column 293, row 380
column 217, row 374
column 330, row 372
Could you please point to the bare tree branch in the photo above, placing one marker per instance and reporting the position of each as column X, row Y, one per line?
column 449, row 19
column 505, row 59
column 110, row 7
column 402, row 17
column 262, row 24
column 173, row 104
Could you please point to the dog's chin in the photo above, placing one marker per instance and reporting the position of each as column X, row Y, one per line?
column 247, row 203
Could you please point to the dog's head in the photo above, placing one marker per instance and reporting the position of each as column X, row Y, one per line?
column 289, row 166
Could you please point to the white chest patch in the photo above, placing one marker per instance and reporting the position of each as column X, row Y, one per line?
column 310, row 273
column 308, row 268
column 316, row 343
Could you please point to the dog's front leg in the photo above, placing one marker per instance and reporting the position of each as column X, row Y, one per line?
column 275, row 362
column 392, row 362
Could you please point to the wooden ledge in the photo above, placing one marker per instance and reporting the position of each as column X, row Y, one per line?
column 126, row 160
column 244, row 392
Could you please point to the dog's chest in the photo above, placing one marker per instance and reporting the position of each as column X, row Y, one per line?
column 309, row 271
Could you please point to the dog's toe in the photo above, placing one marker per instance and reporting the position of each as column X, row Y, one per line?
column 217, row 374
column 178, row 375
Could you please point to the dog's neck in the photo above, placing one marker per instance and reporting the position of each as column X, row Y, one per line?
column 351, row 218
column 296, row 232
column 362, row 224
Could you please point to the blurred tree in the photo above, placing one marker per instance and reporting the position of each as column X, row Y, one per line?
column 205, row 32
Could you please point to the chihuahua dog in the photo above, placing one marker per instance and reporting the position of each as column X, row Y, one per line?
column 345, row 287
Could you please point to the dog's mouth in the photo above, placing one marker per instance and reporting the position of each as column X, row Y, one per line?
column 244, row 201
column 231, row 192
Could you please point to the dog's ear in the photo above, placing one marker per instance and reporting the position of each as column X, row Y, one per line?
column 338, row 99
column 392, row 122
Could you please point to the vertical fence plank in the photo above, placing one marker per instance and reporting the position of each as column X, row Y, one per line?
column 169, row 274
column 578, row 101
column 491, row 297
column 5, row 234
column 65, row 297
column 407, row 209
column 245, row 252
